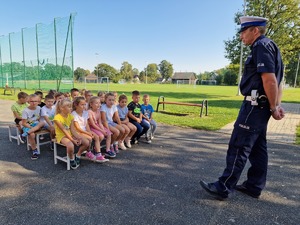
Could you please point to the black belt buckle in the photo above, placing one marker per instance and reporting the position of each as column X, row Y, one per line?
column 262, row 101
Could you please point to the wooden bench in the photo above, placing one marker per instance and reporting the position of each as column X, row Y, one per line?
column 65, row 158
column 9, row 89
column 13, row 132
column 203, row 105
column 39, row 142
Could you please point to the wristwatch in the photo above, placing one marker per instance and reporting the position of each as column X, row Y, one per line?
column 273, row 110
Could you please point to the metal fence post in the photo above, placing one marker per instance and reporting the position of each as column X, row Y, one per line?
column 37, row 53
column 25, row 86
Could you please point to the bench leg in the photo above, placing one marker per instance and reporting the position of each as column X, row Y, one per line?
column 11, row 136
column 55, row 152
column 64, row 159
column 27, row 143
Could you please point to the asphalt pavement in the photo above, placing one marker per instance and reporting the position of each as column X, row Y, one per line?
column 154, row 183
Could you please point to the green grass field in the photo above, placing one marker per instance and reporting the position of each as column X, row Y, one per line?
column 223, row 102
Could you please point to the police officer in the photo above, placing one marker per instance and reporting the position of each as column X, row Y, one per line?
column 261, row 86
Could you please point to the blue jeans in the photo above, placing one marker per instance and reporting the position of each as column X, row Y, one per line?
column 142, row 128
column 152, row 129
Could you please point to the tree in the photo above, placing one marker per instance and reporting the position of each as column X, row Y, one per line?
column 230, row 78
column 80, row 73
column 283, row 28
column 135, row 71
column 142, row 76
column 219, row 79
column 105, row 70
column 292, row 70
column 152, row 73
column 126, row 71
column 165, row 69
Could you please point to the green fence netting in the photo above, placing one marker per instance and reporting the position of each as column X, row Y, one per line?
column 39, row 57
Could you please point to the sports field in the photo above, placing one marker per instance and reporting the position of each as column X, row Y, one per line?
column 223, row 102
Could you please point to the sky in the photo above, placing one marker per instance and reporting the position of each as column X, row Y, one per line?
column 189, row 34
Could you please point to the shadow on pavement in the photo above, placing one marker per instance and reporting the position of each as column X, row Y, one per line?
column 148, row 184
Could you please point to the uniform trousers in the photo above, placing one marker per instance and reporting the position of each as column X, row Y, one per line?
column 248, row 141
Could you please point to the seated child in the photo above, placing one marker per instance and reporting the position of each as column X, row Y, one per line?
column 18, row 107
column 87, row 96
column 82, row 92
column 96, row 124
column 101, row 95
column 52, row 92
column 41, row 95
column 67, row 95
column 74, row 93
column 109, row 114
column 66, row 133
column 135, row 117
column 81, row 124
column 116, row 97
column 123, row 114
column 58, row 96
column 47, row 115
column 147, row 111
column 31, row 123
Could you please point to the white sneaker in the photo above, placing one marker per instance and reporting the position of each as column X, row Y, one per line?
column 128, row 144
column 122, row 146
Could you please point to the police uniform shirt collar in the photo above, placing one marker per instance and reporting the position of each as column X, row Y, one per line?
column 255, row 42
column 252, row 21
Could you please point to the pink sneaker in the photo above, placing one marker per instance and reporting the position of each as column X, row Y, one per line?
column 90, row 156
column 101, row 159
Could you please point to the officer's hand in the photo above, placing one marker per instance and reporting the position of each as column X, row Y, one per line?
column 278, row 114
column 281, row 111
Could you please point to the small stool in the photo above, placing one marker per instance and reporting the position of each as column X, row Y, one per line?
column 39, row 134
column 65, row 159
column 11, row 129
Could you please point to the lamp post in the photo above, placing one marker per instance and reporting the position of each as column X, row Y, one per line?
column 97, row 68
column 295, row 82
column 146, row 72
column 241, row 59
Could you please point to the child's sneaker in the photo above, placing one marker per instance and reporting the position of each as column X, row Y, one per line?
column 35, row 155
column 110, row 154
column 101, row 159
column 128, row 144
column 73, row 164
column 22, row 139
column 122, row 146
column 134, row 142
column 90, row 156
column 112, row 149
column 77, row 160
column 148, row 140
column 116, row 148
column 52, row 146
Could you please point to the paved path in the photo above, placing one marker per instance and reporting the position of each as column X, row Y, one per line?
column 155, row 184
column 280, row 131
